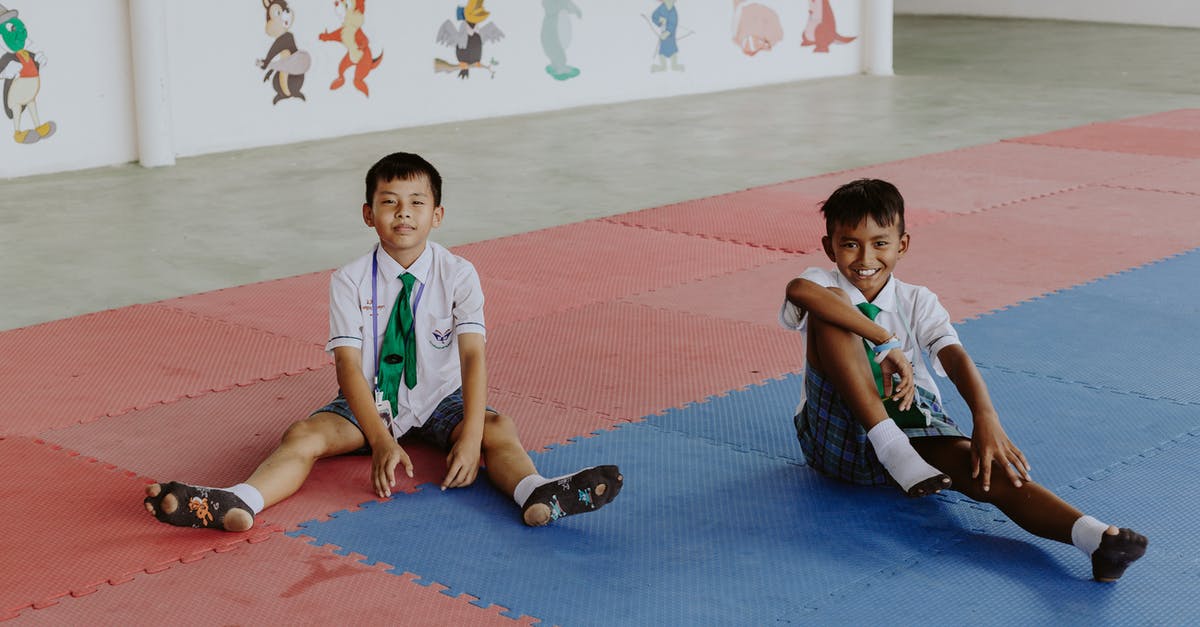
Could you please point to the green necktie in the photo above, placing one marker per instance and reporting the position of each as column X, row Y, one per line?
column 872, row 310
column 913, row 417
column 398, row 354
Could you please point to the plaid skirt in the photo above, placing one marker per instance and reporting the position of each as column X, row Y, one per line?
column 836, row 445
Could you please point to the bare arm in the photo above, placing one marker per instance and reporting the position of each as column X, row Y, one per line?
column 463, row 461
column 385, row 452
column 823, row 303
column 989, row 442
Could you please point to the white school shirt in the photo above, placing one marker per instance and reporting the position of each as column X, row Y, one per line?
column 450, row 304
column 911, row 312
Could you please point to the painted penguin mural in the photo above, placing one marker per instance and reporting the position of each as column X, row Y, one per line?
column 284, row 63
column 755, row 27
column 468, row 39
column 358, row 47
column 556, row 36
column 21, row 71
column 821, row 30
column 665, row 24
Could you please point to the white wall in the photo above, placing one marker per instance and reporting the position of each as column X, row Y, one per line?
column 218, row 100
column 1150, row 12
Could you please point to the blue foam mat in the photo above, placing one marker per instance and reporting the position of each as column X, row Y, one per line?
column 757, row 418
column 1004, row 576
column 1129, row 332
column 701, row 534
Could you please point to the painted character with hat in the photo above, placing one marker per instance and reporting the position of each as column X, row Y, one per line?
column 21, row 71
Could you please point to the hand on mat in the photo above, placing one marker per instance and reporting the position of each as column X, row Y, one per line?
column 989, row 443
column 905, row 391
column 385, row 455
column 462, row 464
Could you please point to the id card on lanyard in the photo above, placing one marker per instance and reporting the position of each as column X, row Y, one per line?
column 381, row 404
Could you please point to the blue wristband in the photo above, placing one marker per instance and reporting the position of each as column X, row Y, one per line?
column 881, row 350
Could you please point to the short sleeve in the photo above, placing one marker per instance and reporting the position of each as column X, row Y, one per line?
column 345, row 315
column 792, row 317
column 932, row 327
column 468, row 301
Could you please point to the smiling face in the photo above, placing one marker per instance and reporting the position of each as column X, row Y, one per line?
column 866, row 253
column 403, row 212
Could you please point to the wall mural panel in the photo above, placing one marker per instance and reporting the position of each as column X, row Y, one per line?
column 552, row 58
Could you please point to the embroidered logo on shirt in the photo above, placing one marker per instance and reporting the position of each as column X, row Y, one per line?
column 442, row 339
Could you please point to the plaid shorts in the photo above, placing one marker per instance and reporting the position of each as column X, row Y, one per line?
column 436, row 430
column 836, row 445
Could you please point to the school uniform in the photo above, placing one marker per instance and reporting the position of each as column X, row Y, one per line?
column 833, row 441
column 447, row 302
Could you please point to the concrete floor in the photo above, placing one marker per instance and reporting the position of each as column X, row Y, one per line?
column 110, row 237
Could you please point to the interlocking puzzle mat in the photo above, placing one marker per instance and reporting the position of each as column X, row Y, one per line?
column 649, row 340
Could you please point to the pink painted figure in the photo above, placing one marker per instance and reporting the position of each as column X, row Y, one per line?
column 755, row 27
column 821, row 30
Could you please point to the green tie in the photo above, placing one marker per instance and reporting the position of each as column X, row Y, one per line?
column 913, row 417
column 872, row 310
column 398, row 355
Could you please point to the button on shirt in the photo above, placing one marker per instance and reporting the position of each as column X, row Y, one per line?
column 911, row 312
column 451, row 304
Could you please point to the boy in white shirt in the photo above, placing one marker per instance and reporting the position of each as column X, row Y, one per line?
column 407, row 336
column 870, row 412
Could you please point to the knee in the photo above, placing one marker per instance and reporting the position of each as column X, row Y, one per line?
column 498, row 429
column 303, row 438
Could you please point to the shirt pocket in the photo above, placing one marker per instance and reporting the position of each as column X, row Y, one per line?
column 440, row 332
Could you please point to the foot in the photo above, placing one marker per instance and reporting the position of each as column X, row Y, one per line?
column 931, row 485
column 26, row 137
column 184, row 505
column 46, row 130
column 587, row 490
column 1118, row 549
column 337, row 82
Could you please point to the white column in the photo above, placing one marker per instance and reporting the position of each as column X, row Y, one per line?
column 151, row 88
column 877, row 24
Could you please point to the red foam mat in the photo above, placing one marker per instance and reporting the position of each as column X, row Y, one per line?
column 1000, row 257
column 1181, row 178
column 772, row 217
column 1121, row 137
column 752, row 296
column 1182, row 119
column 929, row 188
column 219, row 439
column 1073, row 166
column 72, row 524
column 296, row 307
column 626, row 361
column 278, row 582
column 588, row 262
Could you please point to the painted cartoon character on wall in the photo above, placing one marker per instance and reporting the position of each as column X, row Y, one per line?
column 284, row 63
column 20, row 69
column 821, row 30
column 358, row 47
column 468, row 39
column 556, row 36
column 665, row 23
column 755, row 27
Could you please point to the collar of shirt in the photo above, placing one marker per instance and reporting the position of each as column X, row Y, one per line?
column 392, row 270
column 885, row 300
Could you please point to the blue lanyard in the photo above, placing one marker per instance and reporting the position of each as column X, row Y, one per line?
column 375, row 312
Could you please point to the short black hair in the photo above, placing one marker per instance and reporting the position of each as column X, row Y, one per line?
column 406, row 167
column 853, row 202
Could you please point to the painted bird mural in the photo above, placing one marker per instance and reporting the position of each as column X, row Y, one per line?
column 467, row 39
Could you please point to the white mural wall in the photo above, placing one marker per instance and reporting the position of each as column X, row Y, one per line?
column 245, row 73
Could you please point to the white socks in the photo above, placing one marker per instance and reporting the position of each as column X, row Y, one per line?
column 1086, row 534
column 527, row 486
column 898, row 455
column 249, row 495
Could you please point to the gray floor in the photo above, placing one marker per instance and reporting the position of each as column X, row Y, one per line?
column 111, row 237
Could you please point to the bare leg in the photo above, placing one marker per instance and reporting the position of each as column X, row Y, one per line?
column 283, row 471
column 506, row 459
